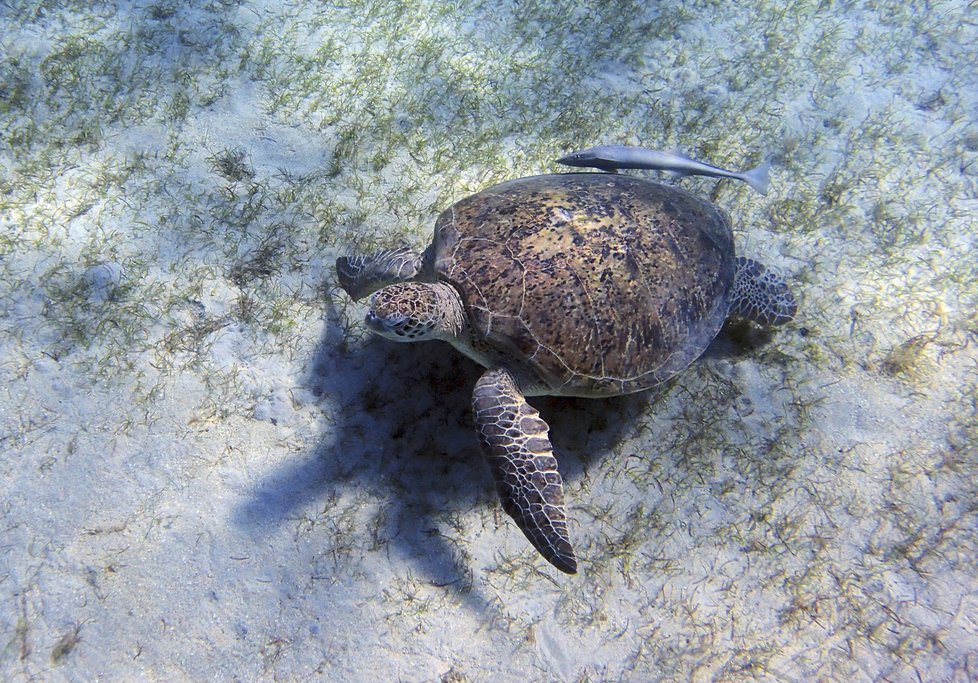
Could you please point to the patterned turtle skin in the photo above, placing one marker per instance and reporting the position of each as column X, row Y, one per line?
column 587, row 284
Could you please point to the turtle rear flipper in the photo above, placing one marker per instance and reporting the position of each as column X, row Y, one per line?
column 362, row 275
column 760, row 295
column 516, row 445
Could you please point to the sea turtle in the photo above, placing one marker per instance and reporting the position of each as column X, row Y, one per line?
column 574, row 284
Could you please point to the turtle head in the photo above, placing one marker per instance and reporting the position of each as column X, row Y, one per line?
column 416, row 311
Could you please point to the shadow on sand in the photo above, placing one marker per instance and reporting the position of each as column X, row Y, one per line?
column 405, row 436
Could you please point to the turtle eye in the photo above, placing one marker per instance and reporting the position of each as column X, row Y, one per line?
column 398, row 326
column 392, row 323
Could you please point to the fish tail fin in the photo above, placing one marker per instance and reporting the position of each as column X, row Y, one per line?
column 758, row 178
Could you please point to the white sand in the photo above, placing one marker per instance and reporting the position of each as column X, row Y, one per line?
column 210, row 471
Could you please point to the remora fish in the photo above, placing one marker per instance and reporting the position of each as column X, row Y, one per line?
column 612, row 157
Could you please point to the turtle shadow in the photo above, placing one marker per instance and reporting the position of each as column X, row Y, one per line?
column 403, row 439
column 737, row 339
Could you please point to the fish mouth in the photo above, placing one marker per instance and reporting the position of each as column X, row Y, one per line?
column 569, row 160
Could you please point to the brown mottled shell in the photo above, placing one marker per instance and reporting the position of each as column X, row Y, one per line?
column 588, row 284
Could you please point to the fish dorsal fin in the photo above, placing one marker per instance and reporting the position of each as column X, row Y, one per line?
column 678, row 153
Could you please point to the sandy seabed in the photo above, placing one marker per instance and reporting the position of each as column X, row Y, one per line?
column 211, row 472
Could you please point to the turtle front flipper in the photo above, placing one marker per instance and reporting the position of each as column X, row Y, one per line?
column 515, row 443
column 760, row 295
column 364, row 274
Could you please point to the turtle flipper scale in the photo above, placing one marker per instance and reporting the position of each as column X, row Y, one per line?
column 760, row 295
column 515, row 443
column 364, row 274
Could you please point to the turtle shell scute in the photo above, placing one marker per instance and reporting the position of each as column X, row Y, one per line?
column 597, row 283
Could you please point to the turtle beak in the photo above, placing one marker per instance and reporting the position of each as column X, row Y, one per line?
column 374, row 323
column 394, row 326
